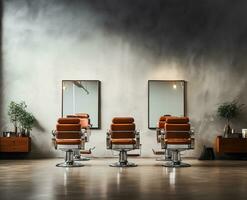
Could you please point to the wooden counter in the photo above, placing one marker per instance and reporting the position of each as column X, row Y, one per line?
column 230, row 145
column 15, row 144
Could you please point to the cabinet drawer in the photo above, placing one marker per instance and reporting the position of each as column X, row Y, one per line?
column 15, row 144
column 231, row 145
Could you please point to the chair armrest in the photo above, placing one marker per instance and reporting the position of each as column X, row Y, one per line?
column 192, row 132
column 162, row 138
column 108, row 139
column 158, row 134
column 192, row 145
column 137, row 137
column 53, row 132
column 83, row 135
column 87, row 134
column 53, row 139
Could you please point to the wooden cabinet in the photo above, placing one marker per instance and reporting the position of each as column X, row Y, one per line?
column 230, row 145
column 15, row 144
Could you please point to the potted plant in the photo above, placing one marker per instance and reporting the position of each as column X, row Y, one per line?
column 21, row 118
column 15, row 111
column 27, row 122
column 229, row 111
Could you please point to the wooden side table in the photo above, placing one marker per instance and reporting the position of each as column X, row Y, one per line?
column 15, row 144
column 230, row 145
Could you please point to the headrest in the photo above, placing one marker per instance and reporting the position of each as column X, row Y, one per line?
column 123, row 120
column 82, row 115
column 78, row 115
column 163, row 118
column 177, row 120
column 68, row 121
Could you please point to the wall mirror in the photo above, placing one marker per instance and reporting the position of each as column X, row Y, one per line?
column 165, row 98
column 82, row 96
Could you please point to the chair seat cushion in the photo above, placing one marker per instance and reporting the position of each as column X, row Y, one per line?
column 69, row 141
column 178, row 141
column 123, row 141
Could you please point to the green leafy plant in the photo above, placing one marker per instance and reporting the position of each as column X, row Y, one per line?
column 27, row 120
column 229, row 110
column 20, row 117
column 15, row 111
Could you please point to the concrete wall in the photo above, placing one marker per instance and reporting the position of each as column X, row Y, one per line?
column 124, row 44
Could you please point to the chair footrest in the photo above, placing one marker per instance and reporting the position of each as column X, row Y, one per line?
column 158, row 152
column 133, row 154
column 86, row 151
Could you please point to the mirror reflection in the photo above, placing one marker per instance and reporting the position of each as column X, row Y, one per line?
column 81, row 96
column 165, row 98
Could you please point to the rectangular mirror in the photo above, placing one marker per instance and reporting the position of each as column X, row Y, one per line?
column 165, row 98
column 82, row 96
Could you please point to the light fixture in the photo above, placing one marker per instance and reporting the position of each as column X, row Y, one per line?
column 64, row 88
column 174, row 86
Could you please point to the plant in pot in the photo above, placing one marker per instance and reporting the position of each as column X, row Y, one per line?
column 27, row 122
column 15, row 111
column 21, row 118
column 229, row 111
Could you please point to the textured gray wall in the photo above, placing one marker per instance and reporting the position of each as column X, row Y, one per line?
column 123, row 44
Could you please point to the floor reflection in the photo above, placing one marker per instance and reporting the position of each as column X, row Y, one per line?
column 40, row 179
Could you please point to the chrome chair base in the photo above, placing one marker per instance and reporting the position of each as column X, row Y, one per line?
column 66, row 164
column 69, row 160
column 163, row 159
column 175, row 160
column 123, row 164
column 176, row 164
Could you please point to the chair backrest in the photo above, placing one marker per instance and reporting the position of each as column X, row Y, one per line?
column 162, row 121
column 123, row 127
column 177, row 127
column 68, row 128
column 84, row 119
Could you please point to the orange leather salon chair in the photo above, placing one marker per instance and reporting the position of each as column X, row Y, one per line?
column 159, row 130
column 176, row 137
column 86, row 130
column 69, row 138
column 123, row 137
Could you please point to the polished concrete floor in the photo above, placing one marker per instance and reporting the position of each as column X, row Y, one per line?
column 40, row 179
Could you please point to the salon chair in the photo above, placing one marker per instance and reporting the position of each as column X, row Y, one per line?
column 68, row 137
column 123, row 137
column 86, row 130
column 176, row 137
column 161, row 128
